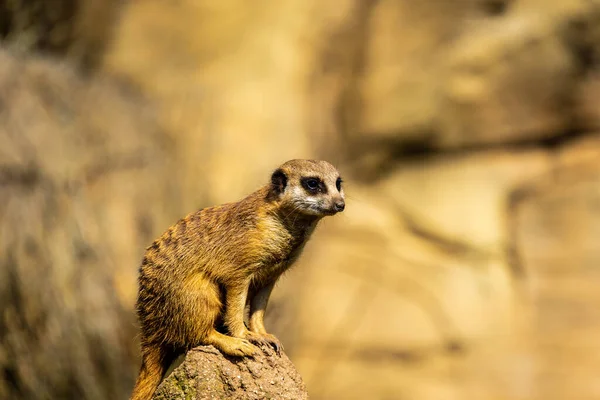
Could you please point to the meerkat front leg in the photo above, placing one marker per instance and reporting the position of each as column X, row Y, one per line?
column 258, row 306
column 235, row 304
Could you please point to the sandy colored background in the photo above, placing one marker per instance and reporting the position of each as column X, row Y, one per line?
column 467, row 262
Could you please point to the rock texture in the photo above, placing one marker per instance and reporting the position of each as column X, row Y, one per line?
column 76, row 29
column 556, row 224
column 80, row 163
column 207, row 374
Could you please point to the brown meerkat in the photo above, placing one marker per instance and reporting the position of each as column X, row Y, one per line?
column 204, row 270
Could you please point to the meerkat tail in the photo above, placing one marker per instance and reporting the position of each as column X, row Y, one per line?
column 155, row 363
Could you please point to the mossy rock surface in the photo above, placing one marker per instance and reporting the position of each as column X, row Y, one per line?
column 207, row 374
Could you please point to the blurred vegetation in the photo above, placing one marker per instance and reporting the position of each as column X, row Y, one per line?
column 465, row 265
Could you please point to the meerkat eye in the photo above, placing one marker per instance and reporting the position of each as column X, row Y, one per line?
column 311, row 184
column 338, row 184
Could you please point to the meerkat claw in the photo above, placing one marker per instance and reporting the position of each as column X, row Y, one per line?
column 278, row 347
column 275, row 343
column 266, row 339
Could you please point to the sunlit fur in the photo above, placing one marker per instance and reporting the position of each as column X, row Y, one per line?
column 204, row 270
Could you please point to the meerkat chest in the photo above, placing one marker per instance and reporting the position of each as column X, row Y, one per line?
column 280, row 246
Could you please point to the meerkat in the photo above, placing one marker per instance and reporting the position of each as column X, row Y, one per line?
column 207, row 268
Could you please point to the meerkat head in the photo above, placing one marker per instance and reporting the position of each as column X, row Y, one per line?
column 309, row 187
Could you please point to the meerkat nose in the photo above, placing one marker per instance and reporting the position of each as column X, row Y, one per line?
column 339, row 206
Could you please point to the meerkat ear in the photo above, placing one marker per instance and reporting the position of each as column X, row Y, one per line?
column 278, row 181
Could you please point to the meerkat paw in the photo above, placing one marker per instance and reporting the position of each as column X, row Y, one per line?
column 233, row 346
column 240, row 347
column 265, row 338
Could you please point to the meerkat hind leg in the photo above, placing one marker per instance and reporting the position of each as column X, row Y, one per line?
column 201, row 313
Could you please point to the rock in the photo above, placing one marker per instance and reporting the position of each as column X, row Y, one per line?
column 556, row 224
column 587, row 112
column 463, row 198
column 81, row 195
column 75, row 29
column 508, row 81
column 514, row 79
column 207, row 374
column 376, row 87
column 397, row 83
column 402, row 65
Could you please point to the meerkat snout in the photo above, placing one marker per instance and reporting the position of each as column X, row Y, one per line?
column 337, row 203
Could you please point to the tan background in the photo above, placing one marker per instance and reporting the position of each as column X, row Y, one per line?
column 466, row 265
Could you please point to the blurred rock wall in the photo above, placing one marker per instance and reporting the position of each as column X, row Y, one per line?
column 77, row 159
column 465, row 265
